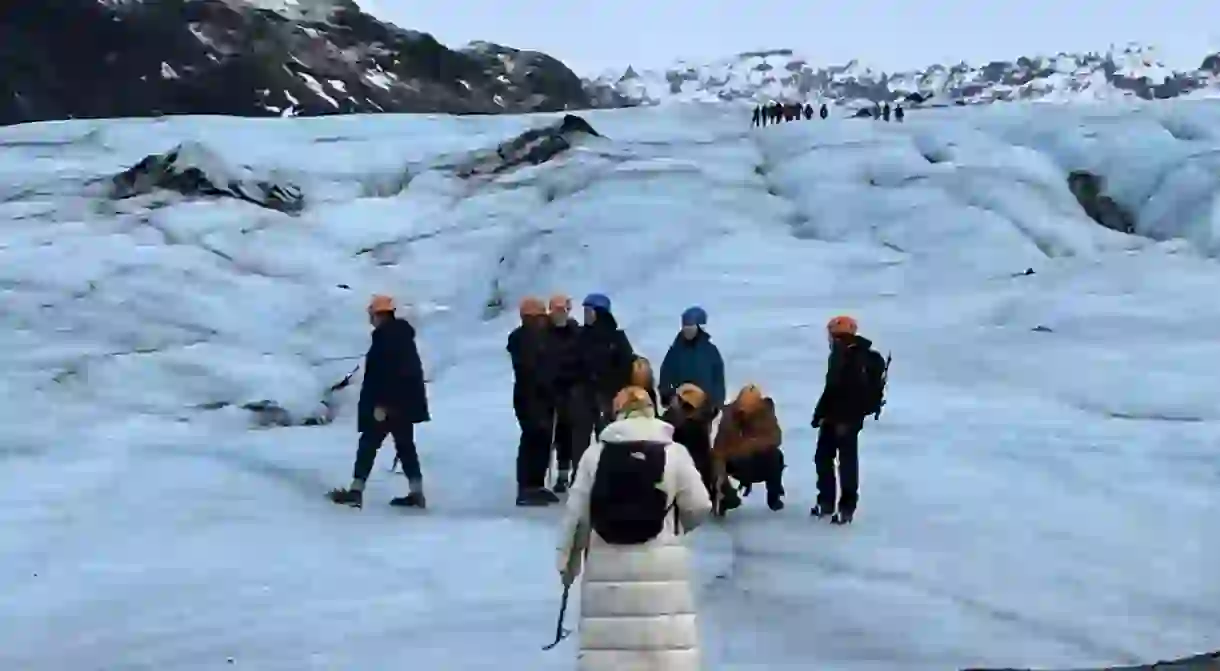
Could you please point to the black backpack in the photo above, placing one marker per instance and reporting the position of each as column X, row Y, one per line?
column 876, row 374
column 628, row 505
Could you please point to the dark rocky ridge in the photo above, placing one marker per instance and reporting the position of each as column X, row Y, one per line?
column 89, row 59
column 532, row 147
column 192, row 169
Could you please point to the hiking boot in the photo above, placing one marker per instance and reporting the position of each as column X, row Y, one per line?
column 775, row 496
column 347, row 497
column 818, row 511
column 412, row 500
column 729, row 500
column 842, row 517
column 536, row 497
column 561, row 483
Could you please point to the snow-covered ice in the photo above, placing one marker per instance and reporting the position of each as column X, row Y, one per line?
column 1031, row 496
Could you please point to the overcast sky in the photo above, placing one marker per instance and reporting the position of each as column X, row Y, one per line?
column 591, row 36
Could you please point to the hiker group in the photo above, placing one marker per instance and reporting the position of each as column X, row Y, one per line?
column 883, row 112
column 776, row 112
column 567, row 376
column 669, row 452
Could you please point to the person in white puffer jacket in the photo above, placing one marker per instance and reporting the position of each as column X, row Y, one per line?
column 637, row 605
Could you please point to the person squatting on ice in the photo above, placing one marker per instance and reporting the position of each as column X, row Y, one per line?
column 688, row 414
column 693, row 358
column 747, row 448
column 393, row 399
column 636, row 493
column 529, row 347
column 855, row 385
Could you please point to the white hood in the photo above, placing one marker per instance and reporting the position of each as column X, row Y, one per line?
column 636, row 430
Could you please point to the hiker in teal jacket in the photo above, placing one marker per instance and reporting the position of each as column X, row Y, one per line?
column 693, row 358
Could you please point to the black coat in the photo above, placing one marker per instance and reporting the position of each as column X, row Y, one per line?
column 393, row 377
column 566, row 357
column 607, row 354
column 531, row 352
column 844, row 397
column 695, row 434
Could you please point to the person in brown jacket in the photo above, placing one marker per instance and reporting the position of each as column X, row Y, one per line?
column 747, row 447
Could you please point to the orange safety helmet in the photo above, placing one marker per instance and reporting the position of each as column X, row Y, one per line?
column 842, row 325
column 381, row 303
column 641, row 372
column 559, row 302
column 632, row 400
column 531, row 307
column 749, row 399
column 692, row 395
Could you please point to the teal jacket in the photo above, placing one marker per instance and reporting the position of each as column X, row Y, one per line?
column 695, row 361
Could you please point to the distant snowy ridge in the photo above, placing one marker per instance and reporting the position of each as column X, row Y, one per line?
column 131, row 58
column 1132, row 71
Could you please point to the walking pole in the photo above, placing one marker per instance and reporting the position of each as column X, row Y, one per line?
column 560, row 632
column 580, row 549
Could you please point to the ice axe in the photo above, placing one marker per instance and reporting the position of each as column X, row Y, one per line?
column 580, row 539
column 347, row 379
column 560, row 631
column 885, row 377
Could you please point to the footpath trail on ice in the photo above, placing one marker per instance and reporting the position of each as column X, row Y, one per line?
column 1041, row 490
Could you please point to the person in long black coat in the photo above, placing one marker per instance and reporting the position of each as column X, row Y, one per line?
column 608, row 360
column 393, row 399
column 531, row 349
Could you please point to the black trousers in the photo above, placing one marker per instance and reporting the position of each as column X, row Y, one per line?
column 766, row 467
column 404, row 445
column 603, row 410
column 841, row 440
column 536, row 417
column 696, row 438
column 574, row 422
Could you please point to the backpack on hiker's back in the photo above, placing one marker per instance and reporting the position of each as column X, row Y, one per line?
column 628, row 502
column 876, row 374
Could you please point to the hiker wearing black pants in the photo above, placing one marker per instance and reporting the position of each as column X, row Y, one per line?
column 850, row 395
column 532, row 354
column 838, row 440
column 393, row 399
column 571, row 384
column 403, row 434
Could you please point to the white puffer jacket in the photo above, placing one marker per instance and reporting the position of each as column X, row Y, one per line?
column 637, row 609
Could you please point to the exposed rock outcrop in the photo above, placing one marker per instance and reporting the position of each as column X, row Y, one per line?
column 1089, row 190
column 192, row 169
column 534, row 146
